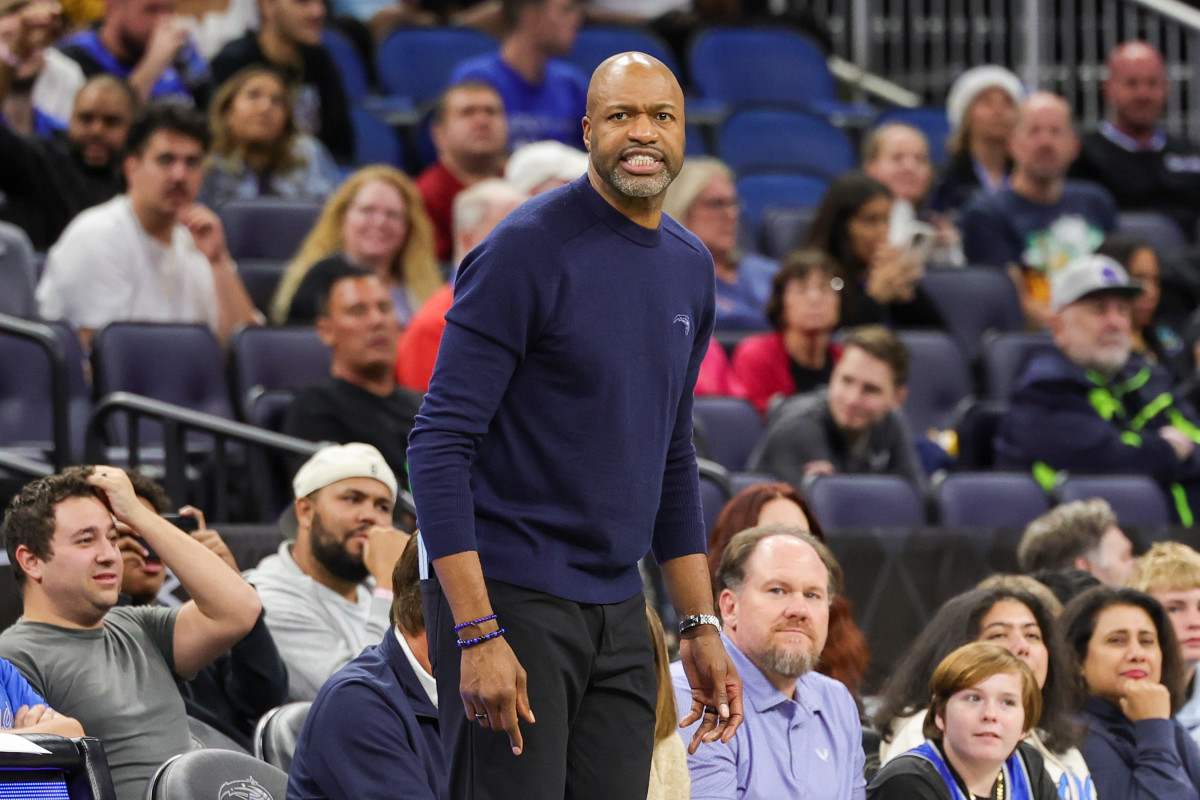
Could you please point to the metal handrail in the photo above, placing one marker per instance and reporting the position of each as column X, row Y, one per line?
column 1173, row 9
column 60, row 386
column 177, row 421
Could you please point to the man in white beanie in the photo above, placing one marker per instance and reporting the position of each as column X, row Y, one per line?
column 1091, row 405
column 327, row 594
column 1131, row 154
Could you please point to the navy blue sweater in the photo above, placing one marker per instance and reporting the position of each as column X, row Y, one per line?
column 555, row 438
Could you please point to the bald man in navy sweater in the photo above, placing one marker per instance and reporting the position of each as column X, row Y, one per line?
column 553, row 451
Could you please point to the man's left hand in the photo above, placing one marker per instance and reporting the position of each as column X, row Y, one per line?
column 207, row 232
column 716, row 689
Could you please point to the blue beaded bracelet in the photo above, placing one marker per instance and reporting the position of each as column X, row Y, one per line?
column 462, row 625
column 462, row 643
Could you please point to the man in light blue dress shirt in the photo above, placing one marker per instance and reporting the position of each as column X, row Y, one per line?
column 801, row 737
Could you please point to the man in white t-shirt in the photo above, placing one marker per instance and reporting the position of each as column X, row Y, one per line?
column 151, row 254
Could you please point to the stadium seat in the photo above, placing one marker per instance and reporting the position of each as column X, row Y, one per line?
column 18, row 278
column 206, row 736
column 278, row 731
column 929, row 120
column 760, row 192
column 375, row 142
column 766, row 66
column 975, row 429
column 784, row 229
column 74, row 768
column 939, row 379
column 1162, row 232
column 784, row 141
column 270, row 475
column 26, row 398
column 349, row 65
column 864, row 501
column 416, row 63
column 1136, row 499
column 974, row 300
column 593, row 44
column 733, row 428
column 267, row 359
column 989, row 499
column 212, row 774
column 261, row 277
column 1005, row 356
column 744, row 480
column 267, row 228
column 715, row 491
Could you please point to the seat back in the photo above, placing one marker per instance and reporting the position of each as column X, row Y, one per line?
column 864, row 501
column 976, row 427
column 593, row 44
column 261, row 277
column 79, row 763
column 349, row 65
column 1005, row 356
column 788, row 141
column 212, row 774
column 760, row 192
column 747, row 66
column 929, row 120
column 206, row 736
column 417, row 62
column 270, row 473
column 784, row 229
column 267, row 227
column 938, row 380
column 974, row 300
column 715, row 492
column 1159, row 230
column 267, row 359
column 1136, row 499
column 26, row 391
column 277, row 733
column 375, row 142
column 989, row 499
column 733, row 427
column 18, row 273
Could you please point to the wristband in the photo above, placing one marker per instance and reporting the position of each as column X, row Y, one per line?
column 462, row 625
column 696, row 620
column 465, row 643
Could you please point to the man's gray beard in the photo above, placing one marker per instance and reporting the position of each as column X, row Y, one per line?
column 640, row 186
column 788, row 663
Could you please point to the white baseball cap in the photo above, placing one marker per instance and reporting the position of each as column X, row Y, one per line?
column 340, row 461
column 1089, row 275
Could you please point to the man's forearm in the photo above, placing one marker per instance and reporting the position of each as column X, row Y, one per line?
column 234, row 306
column 461, row 579
column 688, row 584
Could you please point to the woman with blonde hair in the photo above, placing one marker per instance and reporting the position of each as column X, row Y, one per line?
column 257, row 148
column 669, row 778
column 377, row 220
column 1170, row 573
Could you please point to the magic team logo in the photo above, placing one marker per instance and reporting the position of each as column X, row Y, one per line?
column 244, row 789
column 685, row 321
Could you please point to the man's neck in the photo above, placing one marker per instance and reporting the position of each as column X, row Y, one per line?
column 314, row 569
column 419, row 646
column 470, row 170
column 279, row 51
column 1139, row 133
column 158, row 226
column 1045, row 192
column 807, row 348
column 38, row 608
column 645, row 211
column 523, row 57
column 378, row 379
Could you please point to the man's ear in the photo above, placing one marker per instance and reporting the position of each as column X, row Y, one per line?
column 940, row 722
column 305, row 508
column 29, row 563
column 323, row 332
column 1082, row 564
column 727, row 603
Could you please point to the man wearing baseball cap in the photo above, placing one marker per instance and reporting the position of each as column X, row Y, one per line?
column 1091, row 405
column 327, row 594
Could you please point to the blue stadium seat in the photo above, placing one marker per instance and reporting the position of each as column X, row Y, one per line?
column 864, row 501
column 26, row 395
column 416, row 63
column 1005, row 356
column 267, row 227
column 261, row 277
column 1159, row 230
column 929, row 120
column 766, row 66
column 733, row 428
column 784, row 141
column 594, row 44
column 265, row 359
column 18, row 280
column 989, row 499
column 974, row 300
column 212, row 773
column 784, row 229
column 1136, row 499
column 760, row 192
column 715, row 492
column 375, row 142
column 349, row 65
column 939, row 379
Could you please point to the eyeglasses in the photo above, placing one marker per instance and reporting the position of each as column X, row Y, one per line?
column 718, row 203
column 832, row 286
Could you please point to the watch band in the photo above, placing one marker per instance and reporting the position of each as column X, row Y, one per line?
column 696, row 620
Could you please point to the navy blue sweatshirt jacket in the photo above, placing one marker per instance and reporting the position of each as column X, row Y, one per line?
column 555, row 438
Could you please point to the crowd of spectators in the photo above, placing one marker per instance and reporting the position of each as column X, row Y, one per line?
column 124, row 131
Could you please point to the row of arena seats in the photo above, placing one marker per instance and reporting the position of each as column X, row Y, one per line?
column 955, row 500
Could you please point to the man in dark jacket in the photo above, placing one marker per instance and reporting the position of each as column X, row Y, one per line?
column 1095, row 407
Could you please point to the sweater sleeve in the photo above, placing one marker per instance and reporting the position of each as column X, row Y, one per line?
column 1157, row 771
column 499, row 306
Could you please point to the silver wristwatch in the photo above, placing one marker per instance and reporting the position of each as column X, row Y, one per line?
column 696, row 620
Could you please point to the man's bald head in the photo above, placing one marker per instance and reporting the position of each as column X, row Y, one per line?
column 614, row 70
column 1043, row 143
column 100, row 120
column 1136, row 88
